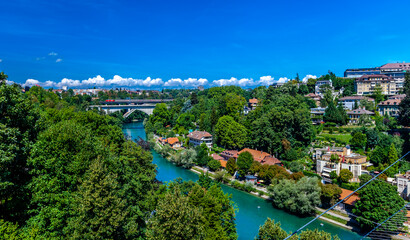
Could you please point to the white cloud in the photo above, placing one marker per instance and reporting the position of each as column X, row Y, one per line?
column 59, row 60
column 31, row 82
column 190, row 82
column 53, row 54
column 283, row 80
column 1, row 60
column 266, row 80
column 118, row 81
column 244, row 82
column 307, row 77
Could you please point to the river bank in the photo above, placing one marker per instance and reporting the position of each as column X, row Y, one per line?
column 252, row 211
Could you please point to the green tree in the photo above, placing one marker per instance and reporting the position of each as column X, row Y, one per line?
column 202, row 157
column 301, row 197
column 378, row 94
column 3, row 78
column 316, row 234
column 358, row 140
column 271, row 231
column 230, row 134
column 214, row 165
column 255, row 167
column 345, row 175
column 175, row 218
column 334, row 158
column 231, row 166
column 378, row 201
column 100, row 211
column 364, row 178
column 244, row 162
column 161, row 115
column 404, row 107
column 17, row 133
column 391, row 158
column 330, row 194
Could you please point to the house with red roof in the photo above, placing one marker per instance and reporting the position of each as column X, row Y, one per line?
column 262, row 157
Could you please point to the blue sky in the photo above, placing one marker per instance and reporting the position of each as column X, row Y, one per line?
column 155, row 44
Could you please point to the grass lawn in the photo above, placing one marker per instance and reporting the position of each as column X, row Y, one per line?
column 345, row 138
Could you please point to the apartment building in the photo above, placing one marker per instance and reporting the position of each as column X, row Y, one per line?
column 367, row 84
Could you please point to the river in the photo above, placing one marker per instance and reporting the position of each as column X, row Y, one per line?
column 252, row 210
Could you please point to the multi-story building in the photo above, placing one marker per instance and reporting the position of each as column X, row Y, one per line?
column 354, row 162
column 396, row 71
column 199, row 137
column 316, row 114
column 355, row 114
column 390, row 107
column 358, row 72
column 320, row 83
column 403, row 185
column 367, row 84
column 315, row 98
column 348, row 102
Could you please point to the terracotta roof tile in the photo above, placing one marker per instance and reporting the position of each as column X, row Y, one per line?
column 351, row 200
column 257, row 155
column 199, row 135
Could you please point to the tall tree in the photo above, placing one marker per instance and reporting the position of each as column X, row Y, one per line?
column 244, row 162
column 231, row 166
column 175, row 218
column 272, row 231
column 378, row 201
column 100, row 211
column 230, row 134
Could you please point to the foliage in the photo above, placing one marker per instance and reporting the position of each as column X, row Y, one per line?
column 202, row 157
column 231, row 166
column 330, row 194
column 333, row 175
column 176, row 218
column 378, row 201
column 271, row 231
column 301, row 197
column 296, row 166
column 231, row 134
column 244, row 163
column 358, row 140
column 404, row 107
column 214, row 165
column 345, row 175
column 184, row 158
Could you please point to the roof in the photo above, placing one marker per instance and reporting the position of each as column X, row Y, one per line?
column 257, row 155
column 400, row 96
column 391, row 102
column 223, row 163
column 199, row 135
column 352, row 199
column 271, row 161
column 230, row 153
column 250, row 177
column 356, row 98
column 253, row 100
column 172, row 140
column 360, row 111
column 216, row 157
column 374, row 76
column 402, row 66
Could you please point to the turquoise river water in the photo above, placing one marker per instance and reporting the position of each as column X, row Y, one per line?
column 252, row 210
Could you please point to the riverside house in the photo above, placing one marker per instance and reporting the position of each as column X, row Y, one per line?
column 173, row 142
column 355, row 114
column 262, row 157
column 198, row 137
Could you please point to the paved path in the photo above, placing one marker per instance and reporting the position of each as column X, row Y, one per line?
column 334, row 214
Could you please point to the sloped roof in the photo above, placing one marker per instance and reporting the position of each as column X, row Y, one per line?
column 216, row 157
column 198, row 135
column 172, row 140
column 253, row 100
column 356, row 98
column 230, row 153
column 351, row 200
column 396, row 65
column 391, row 102
column 270, row 160
column 257, row 155
column 360, row 111
column 223, row 163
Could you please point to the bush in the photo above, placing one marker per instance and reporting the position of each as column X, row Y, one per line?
column 214, row 165
column 311, row 174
